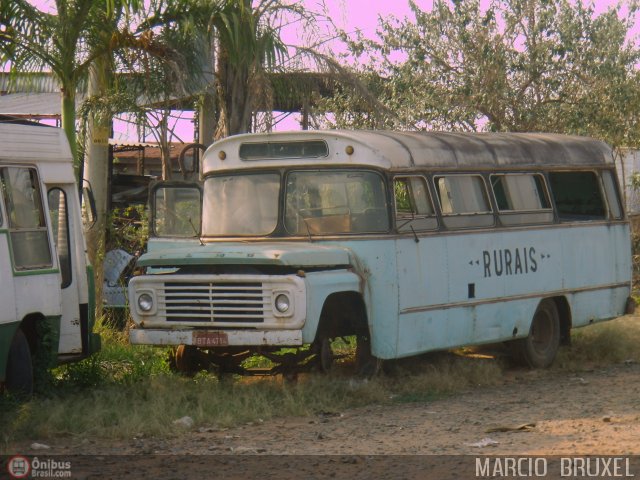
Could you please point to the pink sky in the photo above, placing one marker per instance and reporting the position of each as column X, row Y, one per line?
column 349, row 15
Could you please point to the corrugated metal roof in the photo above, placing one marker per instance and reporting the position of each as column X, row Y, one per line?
column 31, row 104
column 397, row 150
column 28, row 82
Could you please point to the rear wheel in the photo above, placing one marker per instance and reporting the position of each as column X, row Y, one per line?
column 540, row 348
column 19, row 377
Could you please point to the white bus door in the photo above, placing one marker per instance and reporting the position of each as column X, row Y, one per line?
column 7, row 293
column 64, row 227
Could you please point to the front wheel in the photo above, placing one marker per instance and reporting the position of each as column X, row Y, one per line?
column 187, row 360
column 19, row 377
column 367, row 365
column 540, row 348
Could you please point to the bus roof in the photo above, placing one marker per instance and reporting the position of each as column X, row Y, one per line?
column 398, row 150
column 33, row 143
column 40, row 145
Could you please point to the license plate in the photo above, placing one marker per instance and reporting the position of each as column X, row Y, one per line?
column 210, row 339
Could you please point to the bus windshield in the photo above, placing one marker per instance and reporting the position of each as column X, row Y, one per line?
column 241, row 205
column 331, row 202
column 317, row 202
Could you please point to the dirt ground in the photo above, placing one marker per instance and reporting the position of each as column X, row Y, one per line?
column 531, row 413
column 597, row 412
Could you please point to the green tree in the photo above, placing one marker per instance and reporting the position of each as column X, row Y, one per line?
column 32, row 40
column 154, row 59
column 248, row 45
column 516, row 65
column 84, row 43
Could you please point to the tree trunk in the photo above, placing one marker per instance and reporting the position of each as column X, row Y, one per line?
column 96, row 171
column 207, row 104
column 165, row 150
column 206, row 119
column 69, row 122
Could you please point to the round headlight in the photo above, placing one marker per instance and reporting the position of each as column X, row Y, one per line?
column 282, row 303
column 145, row 302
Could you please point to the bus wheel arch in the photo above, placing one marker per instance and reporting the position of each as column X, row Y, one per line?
column 564, row 311
column 345, row 314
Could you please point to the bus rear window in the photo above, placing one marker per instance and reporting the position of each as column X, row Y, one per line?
column 577, row 195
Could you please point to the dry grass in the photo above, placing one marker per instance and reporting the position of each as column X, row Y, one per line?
column 602, row 344
column 126, row 391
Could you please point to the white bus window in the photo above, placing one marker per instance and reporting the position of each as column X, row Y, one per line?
column 241, row 204
column 463, row 201
column 27, row 227
column 577, row 196
column 615, row 210
column 332, row 202
column 414, row 209
column 60, row 228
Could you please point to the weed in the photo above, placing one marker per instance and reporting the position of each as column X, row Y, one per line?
column 129, row 390
column 602, row 344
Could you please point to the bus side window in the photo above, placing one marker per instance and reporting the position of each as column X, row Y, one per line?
column 60, row 227
column 577, row 195
column 521, row 198
column 27, row 226
column 615, row 209
column 463, row 201
column 414, row 209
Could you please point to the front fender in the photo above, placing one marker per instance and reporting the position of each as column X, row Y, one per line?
column 319, row 286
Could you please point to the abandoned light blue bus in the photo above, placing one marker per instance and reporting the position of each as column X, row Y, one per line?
column 411, row 242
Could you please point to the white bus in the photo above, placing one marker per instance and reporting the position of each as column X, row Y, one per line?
column 412, row 242
column 47, row 293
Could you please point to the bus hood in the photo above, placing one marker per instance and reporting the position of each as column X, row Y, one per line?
column 284, row 254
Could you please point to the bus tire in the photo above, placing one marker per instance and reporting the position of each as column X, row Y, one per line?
column 19, row 376
column 540, row 347
column 187, row 360
column 325, row 355
column 367, row 365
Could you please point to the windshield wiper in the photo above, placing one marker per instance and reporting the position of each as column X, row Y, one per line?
column 195, row 230
column 308, row 229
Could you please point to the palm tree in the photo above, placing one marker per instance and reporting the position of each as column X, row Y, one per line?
column 77, row 45
column 249, row 45
column 35, row 41
column 157, row 39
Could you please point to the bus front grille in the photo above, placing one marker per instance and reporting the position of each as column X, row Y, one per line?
column 217, row 302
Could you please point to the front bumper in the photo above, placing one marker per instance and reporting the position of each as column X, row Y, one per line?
column 283, row 338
